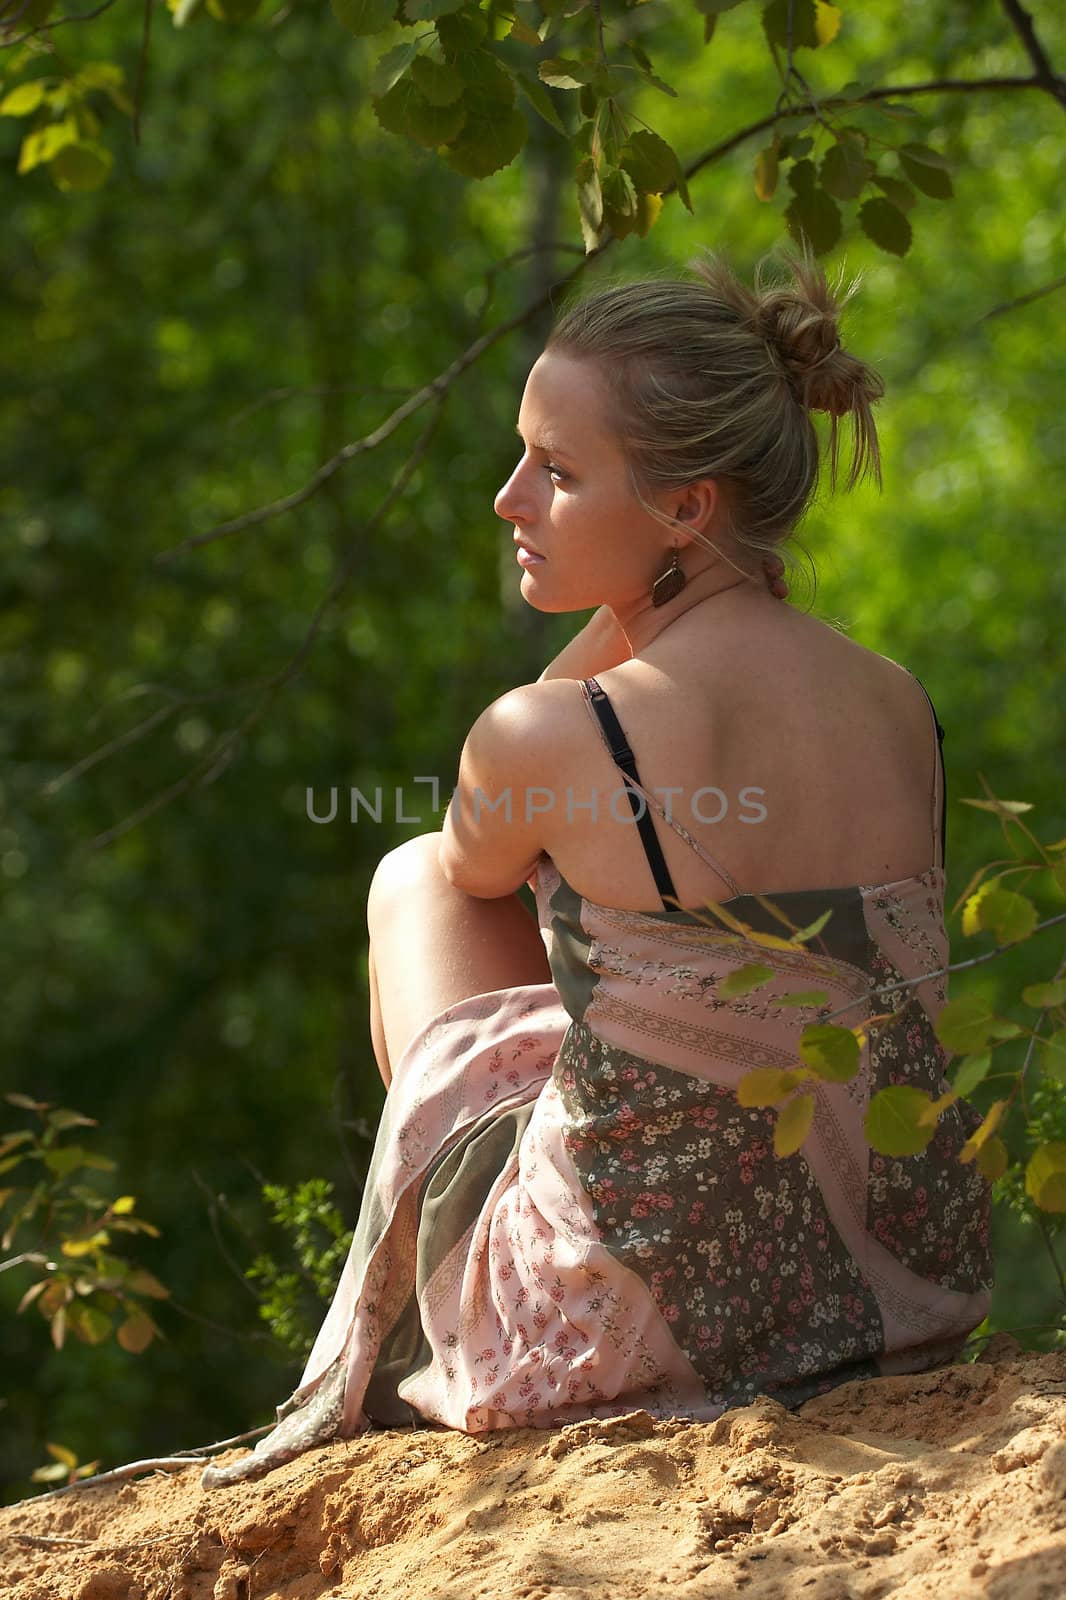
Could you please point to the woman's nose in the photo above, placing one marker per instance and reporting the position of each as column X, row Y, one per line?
column 510, row 501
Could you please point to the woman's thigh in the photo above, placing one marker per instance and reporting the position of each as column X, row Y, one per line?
column 434, row 944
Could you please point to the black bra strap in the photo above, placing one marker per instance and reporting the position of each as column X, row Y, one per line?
column 623, row 757
column 943, row 773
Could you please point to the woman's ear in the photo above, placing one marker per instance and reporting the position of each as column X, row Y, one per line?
column 697, row 505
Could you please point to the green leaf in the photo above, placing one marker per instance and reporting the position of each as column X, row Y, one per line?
column 1045, row 1177
column 992, row 1158
column 438, row 82
column 926, row 170
column 831, row 1052
column 540, row 100
column 844, row 168
column 965, row 1025
column 461, row 33
column 392, row 66
column 363, row 17
column 653, row 165
column 492, row 135
column 803, row 176
column 901, row 194
column 88, row 1323
column 1045, row 995
column 814, row 23
column 977, row 1140
column 1009, row 915
column 427, row 10
column 619, row 196
column 11, row 1141
column 814, row 217
column 766, row 1086
column 485, row 75
column 766, row 173
column 44, row 144
column 590, row 201
column 24, row 1102
column 886, row 225
column 63, row 1118
column 404, row 109
column 751, row 976
column 563, row 72
column 65, row 1159
column 26, row 98
column 892, row 1126
column 793, row 1125
column 524, row 33
column 1053, row 1055
column 973, row 1070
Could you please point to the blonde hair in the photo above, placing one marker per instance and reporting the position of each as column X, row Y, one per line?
column 712, row 379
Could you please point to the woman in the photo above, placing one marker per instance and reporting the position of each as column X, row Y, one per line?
column 569, row 1213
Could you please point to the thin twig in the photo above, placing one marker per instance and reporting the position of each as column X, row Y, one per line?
column 179, row 1458
column 225, row 749
column 1022, row 300
column 1022, row 23
column 46, row 27
column 1042, row 1225
column 956, row 966
column 223, row 1248
column 44, row 1540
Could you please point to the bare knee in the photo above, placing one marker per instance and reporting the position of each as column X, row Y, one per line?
column 402, row 870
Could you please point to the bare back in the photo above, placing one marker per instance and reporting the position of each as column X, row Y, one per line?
column 802, row 760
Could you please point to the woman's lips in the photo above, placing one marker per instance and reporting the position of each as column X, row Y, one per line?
column 527, row 557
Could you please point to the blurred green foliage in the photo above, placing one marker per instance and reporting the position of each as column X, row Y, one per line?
column 261, row 280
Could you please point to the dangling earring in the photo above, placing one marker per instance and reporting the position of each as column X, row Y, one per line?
column 669, row 583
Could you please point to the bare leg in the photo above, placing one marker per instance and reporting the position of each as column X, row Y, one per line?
column 377, row 1032
column 433, row 945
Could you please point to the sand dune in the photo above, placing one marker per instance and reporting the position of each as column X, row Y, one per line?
column 948, row 1484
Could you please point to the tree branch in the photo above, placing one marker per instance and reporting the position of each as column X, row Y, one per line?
column 439, row 385
column 225, row 749
column 46, row 27
column 1044, row 73
column 1022, row 300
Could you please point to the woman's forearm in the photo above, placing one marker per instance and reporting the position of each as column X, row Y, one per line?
column 600, row 644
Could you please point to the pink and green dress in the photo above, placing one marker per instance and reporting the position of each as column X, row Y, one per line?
column 568, row 1213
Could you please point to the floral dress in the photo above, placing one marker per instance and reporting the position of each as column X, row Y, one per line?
column 569, row 1214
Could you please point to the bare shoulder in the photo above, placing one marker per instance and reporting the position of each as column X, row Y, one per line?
column 529, row 722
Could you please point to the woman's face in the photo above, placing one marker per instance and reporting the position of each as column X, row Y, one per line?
column 569, row 496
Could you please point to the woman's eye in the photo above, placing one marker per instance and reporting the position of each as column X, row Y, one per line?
column 555, row 471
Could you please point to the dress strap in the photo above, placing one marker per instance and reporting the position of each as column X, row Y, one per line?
column 610, row 728
column 940, row 782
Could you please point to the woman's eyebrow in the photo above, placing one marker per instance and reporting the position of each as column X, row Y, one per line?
column 547, row 445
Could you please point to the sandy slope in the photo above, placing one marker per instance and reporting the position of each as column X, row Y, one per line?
column 948, row 1484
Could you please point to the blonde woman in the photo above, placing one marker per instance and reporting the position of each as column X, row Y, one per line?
column 569, row 1213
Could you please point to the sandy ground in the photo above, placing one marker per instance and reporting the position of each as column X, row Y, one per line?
column 948, row 1484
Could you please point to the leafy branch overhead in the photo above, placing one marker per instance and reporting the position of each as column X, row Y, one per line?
column 464, row 75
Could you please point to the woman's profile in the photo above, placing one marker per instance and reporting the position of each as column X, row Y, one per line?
column 569, row 1213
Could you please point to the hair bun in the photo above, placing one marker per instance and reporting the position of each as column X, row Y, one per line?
column 798, row 322
column 805, row 339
